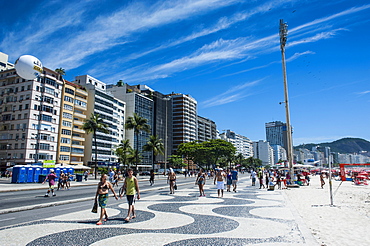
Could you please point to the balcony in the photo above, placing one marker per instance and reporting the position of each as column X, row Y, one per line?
column 80, row 115
column 78, row 138
column 78, row 130
column 77, row 163
column 78, row 122
column 81, row 92
column 78, row 146
column 77, row 154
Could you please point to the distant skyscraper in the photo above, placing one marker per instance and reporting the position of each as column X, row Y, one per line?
column 276, row 133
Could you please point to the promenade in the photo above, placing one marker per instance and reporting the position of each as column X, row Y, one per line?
column 250, row 216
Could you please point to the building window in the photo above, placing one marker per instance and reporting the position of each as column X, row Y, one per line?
column 66, row 132
column 67, row 115
column 68, row 107
column 65, row 149
column 64, row 157
column 45, row 117
column 68, row 99
column 65, row 140
column 69, row 91
column 67, row 123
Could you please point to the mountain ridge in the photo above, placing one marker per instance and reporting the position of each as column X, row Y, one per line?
column 343, row 146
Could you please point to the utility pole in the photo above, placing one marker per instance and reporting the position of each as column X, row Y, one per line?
column 283, row 38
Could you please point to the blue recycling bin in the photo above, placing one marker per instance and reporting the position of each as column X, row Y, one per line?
column 30, row 174
column 57, row 172
column 36, row 174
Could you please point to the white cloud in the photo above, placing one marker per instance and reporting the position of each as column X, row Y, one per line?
column 228, row 96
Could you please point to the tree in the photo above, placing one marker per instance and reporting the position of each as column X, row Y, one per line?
column 138, row 124
column 176, row 161
column 92, row 125
column 155, row 145
column 61, row 72
column 123, row 151
column 252, row 163
column 134, row 157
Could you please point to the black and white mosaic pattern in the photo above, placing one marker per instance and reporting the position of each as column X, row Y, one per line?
column 250, row 216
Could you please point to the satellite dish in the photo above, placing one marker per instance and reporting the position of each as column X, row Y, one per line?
column 28, row 67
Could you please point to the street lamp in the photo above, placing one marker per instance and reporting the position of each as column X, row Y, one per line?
column 166, row 99
column 283, row 37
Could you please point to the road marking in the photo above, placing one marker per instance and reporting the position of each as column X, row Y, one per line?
column 8, row 219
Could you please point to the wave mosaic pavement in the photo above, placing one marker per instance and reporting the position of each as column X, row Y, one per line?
column 250, row 216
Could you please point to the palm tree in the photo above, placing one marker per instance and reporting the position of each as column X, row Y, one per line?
column 61, row 71
column 123, row 151
column 155, row 145
column 138, row 124
column 92, row 125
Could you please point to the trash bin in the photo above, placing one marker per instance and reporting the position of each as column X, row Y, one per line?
column 79, row 177
column 42, row 178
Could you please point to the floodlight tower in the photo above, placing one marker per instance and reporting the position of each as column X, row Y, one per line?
column 283, row 37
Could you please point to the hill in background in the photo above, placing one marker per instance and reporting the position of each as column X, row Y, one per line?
column 343, row 146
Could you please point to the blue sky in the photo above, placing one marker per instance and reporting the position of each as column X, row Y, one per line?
column 224, row 53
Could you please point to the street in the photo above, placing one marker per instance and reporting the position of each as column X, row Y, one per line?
column 249, row 216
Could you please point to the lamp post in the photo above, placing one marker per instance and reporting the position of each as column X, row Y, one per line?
column 166, row 99
column 283, row 37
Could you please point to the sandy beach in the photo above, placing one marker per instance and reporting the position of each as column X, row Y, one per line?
column 345, row 223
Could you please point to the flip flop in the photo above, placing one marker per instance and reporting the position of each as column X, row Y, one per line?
column 127, row 219
column 133, row 217
column 99, row 223
column 106, row 219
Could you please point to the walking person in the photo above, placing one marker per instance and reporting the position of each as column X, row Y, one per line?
column 278, row 180
column 229, row 180
column 86, row 174
column 61, row 180
column 201, row 181
column 151, row 179
column 171, row 179
column 322, row 180
column 131, row 188
column 51, row 178
column 234, row 178
column 220, row 176
column 253, row 177
column 260, row 179
column 101, row 197
column 267, row 179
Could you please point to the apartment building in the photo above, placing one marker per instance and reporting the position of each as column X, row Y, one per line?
column 143, row 105
column 242, row 144
column 206, row 129
column 72, row 137
column 29, row 114
column 264, row 152
column 112, row 111
column 184, row 118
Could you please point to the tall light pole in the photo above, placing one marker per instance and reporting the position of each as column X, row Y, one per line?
column 283, row 37
column 166, row 99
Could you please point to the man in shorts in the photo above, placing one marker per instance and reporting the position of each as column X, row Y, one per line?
column 51, row 178
column 234, row 178
column 131, row 188
column 220, row 177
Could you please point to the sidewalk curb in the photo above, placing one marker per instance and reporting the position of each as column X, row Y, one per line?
column 50, row 204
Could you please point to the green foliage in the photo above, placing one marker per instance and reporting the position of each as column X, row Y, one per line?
column 123, row 152
column 207, row 153
column 176, row 161
column 252, row 163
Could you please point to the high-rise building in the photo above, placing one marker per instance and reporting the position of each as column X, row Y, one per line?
column 242, row 144
column 29, row 113
column 276, row 133
column 264, row 152
column 184, row 116
column 141, row 104
column 4, row 63
column 279, row 153
column 206, row 129
column 72, row 137
column 112, row 111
